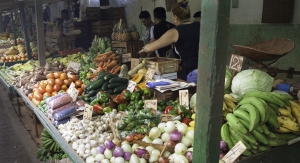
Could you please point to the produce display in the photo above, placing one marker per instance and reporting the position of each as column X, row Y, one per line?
column 124, row 33
column 13, row 54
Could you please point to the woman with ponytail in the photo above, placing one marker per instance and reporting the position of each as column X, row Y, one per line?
column 185, row 36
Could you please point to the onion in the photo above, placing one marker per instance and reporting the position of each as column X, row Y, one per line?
column 172, row 143
column 105, row 161
column 127, row 148
column 180, row 159
column 186, row 141
column 153, row 158
column 112, row 159
column 127, row 156
column 99, row 157
column 146, row 139
column 109, row 144
column 175, row 136
column 157, row 141
column 176, row 122
column 100, row 149
column 169, row 127
column 134, row 146
column 171, row 157
column 182, row 128
column 165, row 137
column 161, row 126
column 90, row 159
column 108, row 154
column 163, row 160
column 180, row 148
column 221, row 155
column 94, row 152
column 155, row 152
column 154, row 133
column 150, row 149
column 142, row 153
column 223, row 146
column 189, row 156
column 116, row 142
column 190, row 149
column 142, row 160
column 119, row 160
column 190, row 134
column 125, row 142
column 134, row 159
column 166, row 154
column 118, row 152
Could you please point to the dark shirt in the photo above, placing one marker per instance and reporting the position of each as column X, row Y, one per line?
column 187, row 46
column 159, row 29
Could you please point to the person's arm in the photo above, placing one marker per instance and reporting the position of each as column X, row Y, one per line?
column 168, row 38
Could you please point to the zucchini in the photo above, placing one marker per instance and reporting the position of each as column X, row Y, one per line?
column 93, row 98
column 105, row 86
column 115, row 85
column 96, row 85
column 88, row 85
column 94, row 92
column 120, row 89
column 101, row 75
column 109, row 76
column 110, row 91
column 118, row 80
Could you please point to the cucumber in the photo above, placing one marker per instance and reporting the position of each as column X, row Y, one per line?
column 118, row 80
column 110, row 91
column 115, row 85
column 101, row 75
column 105, row 86
column 94, row 92
column 93, row 98
column 109, row 76
column 120, row 89
column 88, row 85
column 96, row 85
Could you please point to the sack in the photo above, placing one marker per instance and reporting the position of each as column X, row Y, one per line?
column 170, row 54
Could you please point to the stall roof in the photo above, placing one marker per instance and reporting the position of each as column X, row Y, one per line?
column 6, row 5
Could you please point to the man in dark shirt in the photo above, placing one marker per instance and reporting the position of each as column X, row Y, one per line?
column 161, row 26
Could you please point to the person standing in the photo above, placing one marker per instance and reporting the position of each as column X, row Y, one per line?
column 147, row 22
column 161, row 27
column 68, row 23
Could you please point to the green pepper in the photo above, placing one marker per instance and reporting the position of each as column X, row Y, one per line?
column 103, row 97
column 122, row 124
column 133, row 96
column 127, row 95
column 131, row 108
column 122, row 107
column 141, row 103
column 147, row 93
column 146, row 114
column 107, row 110
column 94, row 102
column 130, row 126
column 123, row 134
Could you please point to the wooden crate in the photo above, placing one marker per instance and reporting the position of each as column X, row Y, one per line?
column 93, row 13
column 101, row 27
column 113, row 13
column 161, row 65
column 132, row 47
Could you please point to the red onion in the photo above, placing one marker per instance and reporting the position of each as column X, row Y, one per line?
column 163, row 160
column 127, row 156
column 223, row 146
column 109, row 144
column 142, row 153
column 189, row 156
column 172, row 143
column 221, row 155
column 118, row 152
column 100, row 149
column 175, row 135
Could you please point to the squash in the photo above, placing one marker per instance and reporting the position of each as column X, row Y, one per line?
column 138, row 78
column 137, row 68
column 134, row 75
column 124, row 72
column 12, row 52
column 142, row 71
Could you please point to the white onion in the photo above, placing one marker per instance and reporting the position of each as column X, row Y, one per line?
column 155, row 152
column 146, row 139
column 186, row 141
column 134, row 146
column 182, row 128
column 119, row 160
column 177, row 122
column 169, row 127
column 161, row 126
column 180, row 148
column 190, row 149
column 150, row 149
column 190, row 134
column 99, row 157
column 90, row 159
column 126, row 148
column 154, row 133
column 166, row 154
column 171, row 158
column 125, row 142
column 153, row 158
column 165, row 137
column 142, row 160
column 94, row 152
column 107, row 153
column 112, row 159
column 157, row 141
column 180, row 159
column 105, row 161
column 134, row 159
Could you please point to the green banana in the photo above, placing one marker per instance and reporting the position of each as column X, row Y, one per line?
column 278, row 142
column 263, row 148
column 235, row 123
column 286, row 137
column 254, row 151
column 282, row 97
column 246, row 124
column 264, row 96
column 253, row 113
column 272, row 120
column 225, row 135
column 241, row 114
column 260, row 137
column 236, row 136
column 249, row 137
column 247, row 153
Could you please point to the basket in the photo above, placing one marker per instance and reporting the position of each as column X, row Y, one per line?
column 267, row 50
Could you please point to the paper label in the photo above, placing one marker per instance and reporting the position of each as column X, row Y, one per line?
column 131, row 86
column 234, row 153
column 126, row 57
column 236, row 62
column 184, row 98
column 151, row 104
column 88, row 112
column 166, row 117
column 74, row 65
column 149, row 74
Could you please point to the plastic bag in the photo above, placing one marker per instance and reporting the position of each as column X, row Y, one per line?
column 65, row 113
column 60, row 101
column 48, row 100
column 60, row 108
column 56, row 123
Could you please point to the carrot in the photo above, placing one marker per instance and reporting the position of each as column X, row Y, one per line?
column 113, row 55
column 108, row 53
column 113, row 69
column 117, row 70
column 100, row 64
column 112, row 64
column 108, row 61
column 116, row 57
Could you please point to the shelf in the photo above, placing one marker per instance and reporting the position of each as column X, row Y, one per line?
column 8, row 88
column 50, row 128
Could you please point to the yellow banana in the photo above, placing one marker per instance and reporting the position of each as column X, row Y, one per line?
column 230, row 98
column 286, row 113
column 288, row 108
column 193, row 116
column 283, row 130
column 192, row 124
column 296, row 112
column 287, row 123
column 230, row 104
column 224, row 106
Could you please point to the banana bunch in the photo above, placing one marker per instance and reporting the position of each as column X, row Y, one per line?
column 192, row 123
column 255, row 118
column 50, row 149
column 229, row 103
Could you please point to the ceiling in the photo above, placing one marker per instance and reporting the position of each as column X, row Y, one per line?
column 6, row 5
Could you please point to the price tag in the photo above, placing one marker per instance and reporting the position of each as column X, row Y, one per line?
column 73, row 92
column 149, row 74
column 151, row 104
column 234, row 153
column 88, row 112
column 131, row 86
column 166, row 117
column 74, row 65
column 126, row 58
column 184, row 98
column 236, row 62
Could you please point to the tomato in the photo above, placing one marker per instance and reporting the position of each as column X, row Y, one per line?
column 64, row 87
column 73, row 77
column 168, row 108
column 50, row 76
column 48, row 94
column 82, row 86
column 51, row 82
column 56, row 87
column 80, row 90
column 35, row 102
column 30, row 96
column 38, row 96
column 78, row 83
column 41, row 89
column 49, row 88
column 63, row 76
column 57, row 75
column 54, row 93
column 67, row 82
column 58, row 81
column 129, row 137
column 186, row 121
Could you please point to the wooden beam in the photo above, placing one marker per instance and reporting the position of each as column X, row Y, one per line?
column 40, row 32
column 211, row 77
column 25, row 29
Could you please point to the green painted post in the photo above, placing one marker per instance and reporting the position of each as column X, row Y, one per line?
column 1, row 23
column 211, row 77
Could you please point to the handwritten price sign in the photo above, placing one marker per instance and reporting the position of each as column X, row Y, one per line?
column 149, row 74
column 236, row 62
column 166, row 117
column 234, row 153
column 151, row 104
column 184, row 98
column 131, row 86
column 88, row 112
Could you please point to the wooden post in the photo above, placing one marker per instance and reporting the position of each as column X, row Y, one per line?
column 40, row 32
column 14, row 26
column 1, row 23
column 25, row 29
column 211, row 77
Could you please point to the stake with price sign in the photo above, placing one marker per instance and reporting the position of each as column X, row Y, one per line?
column 149, row 74
column 234, row 152
column 184, row 98
column 151, row 104
column 73, row 92
column 236, row 63
column 88, row 112
column 131, row 86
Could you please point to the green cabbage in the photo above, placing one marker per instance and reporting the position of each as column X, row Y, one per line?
column 228, row 78
column 251, row 80
column 193, row 101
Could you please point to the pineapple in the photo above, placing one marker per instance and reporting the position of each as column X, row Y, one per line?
column 119, row 34
column 114, row 34
column 135, row 34
column 126, row 36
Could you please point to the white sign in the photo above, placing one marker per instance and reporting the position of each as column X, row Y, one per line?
column 234, row 153
column 184, row 98
column 131, row 86
column 151, row 104
column 88, row 112
column 74, row 65
column 149, row 74
column 236, row 62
